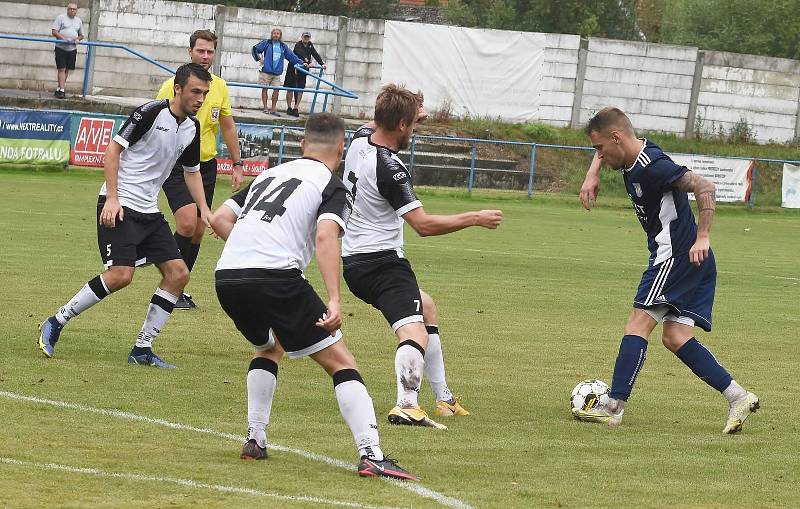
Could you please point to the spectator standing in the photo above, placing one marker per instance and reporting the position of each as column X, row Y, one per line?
column 69, row 29
column 305, row 50
column 270, row 54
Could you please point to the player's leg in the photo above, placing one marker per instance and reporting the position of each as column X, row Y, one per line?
column 186, row 223
column 446, row 403
column 356, row 408
column 95, row 290
column 175, row 275
column 630, row 359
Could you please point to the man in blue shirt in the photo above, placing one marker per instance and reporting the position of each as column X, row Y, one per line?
column 270, row 54
column 677, row 288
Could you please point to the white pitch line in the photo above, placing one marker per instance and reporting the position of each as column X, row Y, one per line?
column 189, row 483
column 412, row 487
column 572, row 259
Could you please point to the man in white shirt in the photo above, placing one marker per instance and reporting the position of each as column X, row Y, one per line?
column 131, row 231
column 272, row 229
column 69, row 29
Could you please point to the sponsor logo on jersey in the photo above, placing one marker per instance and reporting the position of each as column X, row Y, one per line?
column 637, row 187
column 92, row 140
column 137, row 116
column 162, row 128
column 400, row 175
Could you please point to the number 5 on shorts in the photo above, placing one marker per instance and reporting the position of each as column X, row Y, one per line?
column 108, row 250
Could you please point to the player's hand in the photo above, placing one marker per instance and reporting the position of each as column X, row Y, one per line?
column 237, row 176
column 331, row 321
column 205, row 217
column 490, row 218
column 111, row 209
column 589, row 190
column 699, row 251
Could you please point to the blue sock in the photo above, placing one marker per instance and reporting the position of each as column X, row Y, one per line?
column 630, row 359
column 703, row 364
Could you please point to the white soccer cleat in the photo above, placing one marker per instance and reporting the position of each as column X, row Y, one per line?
column 739, row 411
column 600, row 414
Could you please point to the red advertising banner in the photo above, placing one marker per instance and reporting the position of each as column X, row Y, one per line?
column 92, row 135
column 251, row 167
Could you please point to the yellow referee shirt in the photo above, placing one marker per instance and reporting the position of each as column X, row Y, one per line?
column 217, row 103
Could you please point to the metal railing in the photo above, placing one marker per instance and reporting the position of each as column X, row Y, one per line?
column 336, row 89
column 531, row 149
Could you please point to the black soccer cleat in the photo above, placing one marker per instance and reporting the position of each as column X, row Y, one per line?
column 185, row 302
column 387, row 467
column 252, row 451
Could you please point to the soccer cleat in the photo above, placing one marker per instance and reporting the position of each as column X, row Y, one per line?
column 185, row 302
column 739, row 411
column 387, row 467
column 50, row 330
column 447, row 409
column 146, row 357
column 252, row 451
column 599, row 414
column 413, row 417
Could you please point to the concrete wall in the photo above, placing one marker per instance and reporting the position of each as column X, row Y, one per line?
column 156, row 28
column 663, row 88
column 652, row 83
column 761, row 90
column 560, row 71
column 31, row 65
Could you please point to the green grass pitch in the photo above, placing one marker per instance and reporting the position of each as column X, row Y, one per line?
column 525, row 313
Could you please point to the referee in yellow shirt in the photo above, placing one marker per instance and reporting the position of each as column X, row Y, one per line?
column 215, row 113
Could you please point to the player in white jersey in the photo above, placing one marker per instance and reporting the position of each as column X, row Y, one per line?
column 272, row 229
column 131, row 231
column 375, row 267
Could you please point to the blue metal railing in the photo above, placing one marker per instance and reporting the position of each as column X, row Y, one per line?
column 471, row 144
column 337, row 90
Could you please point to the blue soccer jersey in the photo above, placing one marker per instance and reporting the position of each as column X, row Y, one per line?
column 663, row 211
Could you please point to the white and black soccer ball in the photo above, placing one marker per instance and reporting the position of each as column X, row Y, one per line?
column 588, row 394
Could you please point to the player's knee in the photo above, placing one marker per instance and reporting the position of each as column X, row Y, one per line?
column 640, row 324
column 186, row 220
column 179, row 276
column 117, row 278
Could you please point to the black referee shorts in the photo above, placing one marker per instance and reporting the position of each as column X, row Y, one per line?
column 178, row 194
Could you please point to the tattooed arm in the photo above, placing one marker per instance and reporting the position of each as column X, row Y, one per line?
column 705, row 195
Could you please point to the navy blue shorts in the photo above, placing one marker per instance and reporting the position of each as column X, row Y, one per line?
column 686, row 290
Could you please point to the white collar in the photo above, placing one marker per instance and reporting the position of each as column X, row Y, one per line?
column 638, row 156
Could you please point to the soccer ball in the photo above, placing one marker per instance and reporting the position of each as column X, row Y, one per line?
column 588, row 394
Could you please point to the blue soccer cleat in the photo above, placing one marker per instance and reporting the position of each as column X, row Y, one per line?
column 50, row 330
column 146, row 357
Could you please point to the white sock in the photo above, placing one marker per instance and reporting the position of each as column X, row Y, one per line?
column 261, row 385
column 359, row 414
column 734, row 392
column 161, row 305
column 91, row 293
column 434, row 365
column 408, row 365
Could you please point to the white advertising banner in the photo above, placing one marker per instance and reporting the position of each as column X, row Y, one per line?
column 479, row 72
column 791, row 186
column 733, row 177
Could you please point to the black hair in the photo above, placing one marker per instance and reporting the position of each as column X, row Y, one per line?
column 186, row 70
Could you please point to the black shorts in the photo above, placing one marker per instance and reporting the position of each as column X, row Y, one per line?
column 66, row 59
column 264, row 301
column 386, row 281
column 178, row 194
column 137, row 240
column 294, row 78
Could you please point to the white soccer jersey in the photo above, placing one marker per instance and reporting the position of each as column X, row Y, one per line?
column 153, row 142
column 278, row 215
column 382, row 192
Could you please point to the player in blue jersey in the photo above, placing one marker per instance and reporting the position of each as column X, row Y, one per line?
column 677, row 288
